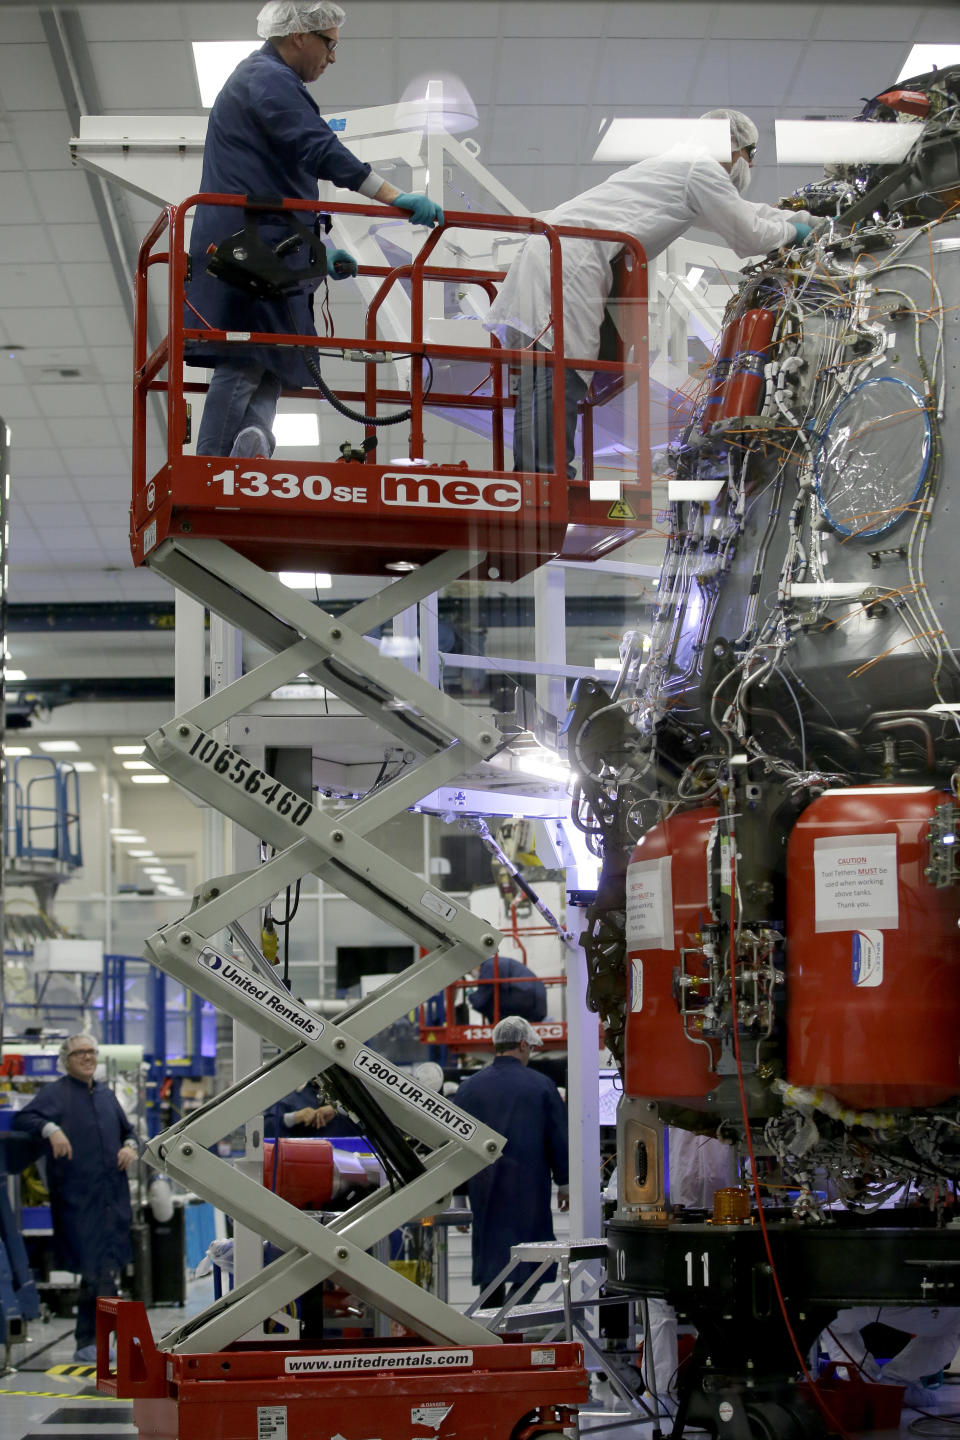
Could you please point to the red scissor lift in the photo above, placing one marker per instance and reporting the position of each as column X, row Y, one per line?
column 214, row 526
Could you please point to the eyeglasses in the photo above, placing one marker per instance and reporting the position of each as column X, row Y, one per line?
column 82, row 1054
column 330, row 44
column 750, row 151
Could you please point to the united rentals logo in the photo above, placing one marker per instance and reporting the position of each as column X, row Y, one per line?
column 276, row 1002
column 378, row 1360
column 448, row 492
column 428, row 1102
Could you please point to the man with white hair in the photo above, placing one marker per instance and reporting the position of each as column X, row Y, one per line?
column 510, row 1199
column 266, row 137
column 92, row 1146
column 656, row 201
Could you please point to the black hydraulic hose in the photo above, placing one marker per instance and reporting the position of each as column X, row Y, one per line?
column 310, row 361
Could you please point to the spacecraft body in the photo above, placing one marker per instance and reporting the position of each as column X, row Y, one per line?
column 773, row 784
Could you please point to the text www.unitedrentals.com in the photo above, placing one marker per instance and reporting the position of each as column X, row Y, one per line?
column 379, row 1360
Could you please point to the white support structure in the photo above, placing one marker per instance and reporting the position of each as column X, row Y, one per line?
column 450, row 740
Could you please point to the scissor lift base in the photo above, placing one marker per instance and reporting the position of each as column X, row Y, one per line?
column 489, row 1392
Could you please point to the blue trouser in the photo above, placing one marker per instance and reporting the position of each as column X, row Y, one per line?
column 91, row 1287
column 241, row 393
column 533, row 416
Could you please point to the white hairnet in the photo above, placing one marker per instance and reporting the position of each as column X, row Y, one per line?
column 513, row 1029
column 288, row 17
column 742, row 129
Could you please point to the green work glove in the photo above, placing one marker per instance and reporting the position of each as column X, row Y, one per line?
column 422, row 210
column 340, row 264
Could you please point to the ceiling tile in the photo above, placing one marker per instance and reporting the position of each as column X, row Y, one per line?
column 105, row 325
column 31, row 434
column 43, row 466
column 728, row 71
column 19, row 243
column 827, row 77
column 42, row 138
column 19, row 206
column 751, row 22
column 141, row 23
column 530, row 68
column 28, row 80
column 63, row 195
column 42, row 329
column 81, row 244
column 84, row 433
column 852, row 23
column 656, row 21
column 90, row 284
column 26, row 286
column 70, row 400
column 16, row 402
column 22, row 24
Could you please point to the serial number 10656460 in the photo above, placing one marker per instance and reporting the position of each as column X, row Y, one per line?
column 247, row 777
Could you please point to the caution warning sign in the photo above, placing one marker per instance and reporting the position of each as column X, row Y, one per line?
column 621, row 510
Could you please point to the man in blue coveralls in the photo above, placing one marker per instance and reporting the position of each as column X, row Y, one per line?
column 265, row 137
column 91, row 1148
column 510, row 1199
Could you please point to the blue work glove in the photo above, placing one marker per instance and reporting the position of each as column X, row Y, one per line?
column 340, row 264
column 422, row 210
column 803, row 231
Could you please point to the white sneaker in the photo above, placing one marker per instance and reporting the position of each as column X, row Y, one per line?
column 252, row 442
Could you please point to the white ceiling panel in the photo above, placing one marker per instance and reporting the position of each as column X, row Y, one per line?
column 63, row 195
column 80, row 244
column 785, row 23
column 127, row 74
column 528, row 68
column 19, row 206
column 815, row 80
column 24, row 286
column 28, row 80
column 17, row 403
column 19, row 243
column 40, row 137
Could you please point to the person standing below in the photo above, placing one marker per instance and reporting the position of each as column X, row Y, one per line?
column 655, row 201
column 506, row 986
column 265, row 137
column 510, row 1199
column 92, row 1146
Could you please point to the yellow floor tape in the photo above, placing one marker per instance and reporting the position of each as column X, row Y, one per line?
column 58, row 1395
column 75, row 1372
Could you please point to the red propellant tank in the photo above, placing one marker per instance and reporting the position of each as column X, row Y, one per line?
column 719, row 371
column 666, row 900
column 873, row 952
column 743, row 391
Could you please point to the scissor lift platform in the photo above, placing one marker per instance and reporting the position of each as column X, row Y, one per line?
column 391, row 1388
column 352, row 517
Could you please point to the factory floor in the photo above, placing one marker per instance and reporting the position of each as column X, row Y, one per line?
column 47, row 1397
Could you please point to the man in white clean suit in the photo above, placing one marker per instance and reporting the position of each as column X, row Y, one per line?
column 656, row 201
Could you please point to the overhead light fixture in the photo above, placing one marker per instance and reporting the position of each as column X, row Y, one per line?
column 130, row 839
column 440, row 103
column 693, row 277
column 17, row 750
column 137, row 765
column 694, row 489
column 606, row 662
column 605, row 490
column 59, row 747
column 117, row 830
column 215, row 61
column 304, row 580
column 150, row 779
column 844, row 142
column 83, row 767
column 296, row 427
column 129, row 749
column 632, row 137
column 142, row 854
column 15, row 674
column 928, row 57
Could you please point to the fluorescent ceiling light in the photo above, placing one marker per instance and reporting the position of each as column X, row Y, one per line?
column 59, row 747
column 304, row 580
column 130, row 839
column 927, row 57
column 694, row 489
column 606, row 662
column 137, row 765
column 605, row 490
column 633, row 138
column 844, row 142
column 17, row 750
column 83, row 767
column 215, row 60
column 129, row 749
column 693, row 277
column 142, row 854
column 15, row 674
column 296, row 427
column 117, row 830
column 150, row 779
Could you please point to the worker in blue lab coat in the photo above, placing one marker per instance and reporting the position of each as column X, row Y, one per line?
column 305, row 1113
column 265, row 138
column 91, row 1148
column 528, row 998
column 510, row 1199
